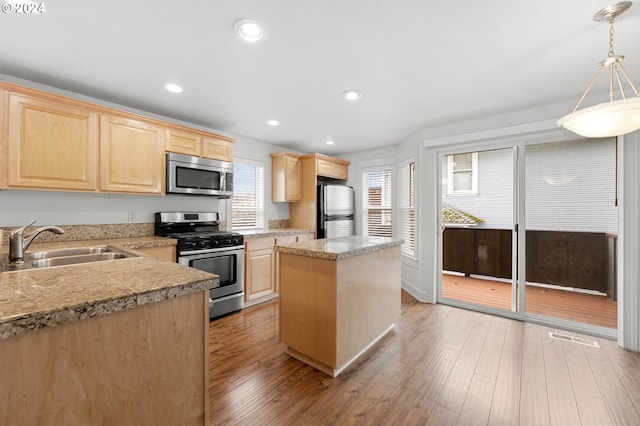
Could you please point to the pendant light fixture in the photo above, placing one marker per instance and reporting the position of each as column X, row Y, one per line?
column 618, row 116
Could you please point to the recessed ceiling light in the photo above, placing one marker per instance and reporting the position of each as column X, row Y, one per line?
column 249, row 30
column 174, row 88
column 329, row 142
column 273, row 122
column 352, row 95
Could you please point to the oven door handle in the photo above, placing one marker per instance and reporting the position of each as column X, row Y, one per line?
column 206, row 251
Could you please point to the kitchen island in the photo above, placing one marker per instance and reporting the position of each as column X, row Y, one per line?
column 338, row 297
column 115, row 342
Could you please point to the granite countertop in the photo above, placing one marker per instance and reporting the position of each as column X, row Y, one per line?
column 273, row 232
column 38, row 298
column 339, row 248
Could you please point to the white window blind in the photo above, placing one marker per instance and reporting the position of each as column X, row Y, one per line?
column 407, row 206
column 248, row 196
column 377, row 203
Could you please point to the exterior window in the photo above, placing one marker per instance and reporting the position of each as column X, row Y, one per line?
column 463, row 173
column 248, row 195
column 407, row 206
column 377, row 202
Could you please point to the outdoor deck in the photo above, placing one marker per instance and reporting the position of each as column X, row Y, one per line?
column 586, row 308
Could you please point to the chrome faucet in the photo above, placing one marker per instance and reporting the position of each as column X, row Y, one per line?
column 18, row 243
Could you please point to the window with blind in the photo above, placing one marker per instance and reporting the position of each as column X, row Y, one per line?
column 377, row 202
column 248, row 196
column 407, row 207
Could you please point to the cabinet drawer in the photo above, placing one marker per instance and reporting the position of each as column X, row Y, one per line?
column 286, row 239
column 306, row 237
column 259, row 244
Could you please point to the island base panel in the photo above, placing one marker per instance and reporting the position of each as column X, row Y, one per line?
column 332, row 311
column 333, row 372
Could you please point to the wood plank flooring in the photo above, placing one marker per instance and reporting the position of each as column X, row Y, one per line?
column 587, row 308
column 441, row 366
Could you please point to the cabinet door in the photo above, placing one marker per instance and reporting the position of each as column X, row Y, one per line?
column 217, row 149
column 293, row 176
column 131, row 156
column 51, row 144
column 259, row 273
column 183, row 142
column 286, row 178
column 331, row 169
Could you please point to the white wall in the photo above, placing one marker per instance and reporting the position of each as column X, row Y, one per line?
column 17, row 207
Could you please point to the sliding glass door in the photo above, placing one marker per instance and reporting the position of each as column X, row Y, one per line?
column 571, row 229
column 477, row 221
column 562, row 198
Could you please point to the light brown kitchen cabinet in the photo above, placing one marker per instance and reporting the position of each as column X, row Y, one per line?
column 131, row 155
column 217, row 148
column 162, row 253
column 331, row 167
column 51, row 143
column 286, row 177
column 261, row 274
column 259, row 279
column 183, row 142
column 199, row 144
column 305, row 237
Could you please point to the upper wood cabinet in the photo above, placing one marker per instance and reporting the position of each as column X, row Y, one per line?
column 183, row 142
column 51, row 144
column 331, row 167
column 199, row 144
column 286, row 177
column 217, row 148
column 131, row 155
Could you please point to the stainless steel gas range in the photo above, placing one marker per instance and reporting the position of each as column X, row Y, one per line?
column 203, row 246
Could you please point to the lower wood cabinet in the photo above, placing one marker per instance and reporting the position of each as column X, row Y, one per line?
column 259, row 280
column 261, row 275
column 162, row 253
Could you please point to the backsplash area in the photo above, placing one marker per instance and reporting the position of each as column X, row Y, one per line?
column 88, row 232
column 104, row 231
column 278, row 223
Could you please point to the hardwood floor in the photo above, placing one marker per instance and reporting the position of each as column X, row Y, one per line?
column 587, row 308
column 441, row 366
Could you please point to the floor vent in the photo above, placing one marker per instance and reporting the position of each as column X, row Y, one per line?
column 579, row 340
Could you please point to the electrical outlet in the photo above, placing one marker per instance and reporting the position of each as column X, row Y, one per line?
column 131, row 216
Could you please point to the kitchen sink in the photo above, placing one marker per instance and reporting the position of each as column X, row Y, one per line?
column 62, row 257
column 76, row 251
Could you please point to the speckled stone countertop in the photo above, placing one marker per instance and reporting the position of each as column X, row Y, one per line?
column 339, row 248
column 260, row 233
column 38, row 298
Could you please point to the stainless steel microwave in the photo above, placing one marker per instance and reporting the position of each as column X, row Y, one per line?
column 189, row 175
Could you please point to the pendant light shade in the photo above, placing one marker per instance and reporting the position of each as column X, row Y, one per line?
column 605, row 120
column 618, row 116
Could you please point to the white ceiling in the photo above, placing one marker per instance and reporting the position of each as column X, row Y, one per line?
column 420, row 63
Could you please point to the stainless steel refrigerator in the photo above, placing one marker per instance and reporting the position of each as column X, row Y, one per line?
column 335, row 211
